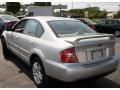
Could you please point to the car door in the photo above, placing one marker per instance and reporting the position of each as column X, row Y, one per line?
column 114, row 26
column 100, row 26
column 103, row 26
column 15, row 35
column 31, row 33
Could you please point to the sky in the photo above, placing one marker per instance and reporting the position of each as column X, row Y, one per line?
column 109, row 6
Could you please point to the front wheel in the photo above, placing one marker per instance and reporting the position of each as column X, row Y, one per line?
column 5, row 50
column 38, row 73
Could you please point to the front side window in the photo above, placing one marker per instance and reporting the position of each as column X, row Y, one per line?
column 20, row 26
column 114, row 22
column 33, row 28
column 69, row 28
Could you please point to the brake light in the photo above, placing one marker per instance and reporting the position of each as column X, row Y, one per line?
column 9, row 24
column 68, row 56
column 1, row 31
column 93, row 26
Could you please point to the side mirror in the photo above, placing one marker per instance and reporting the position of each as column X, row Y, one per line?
column 8, row 28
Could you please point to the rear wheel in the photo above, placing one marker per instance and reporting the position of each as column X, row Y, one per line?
column 38, row 73
column 117, row 33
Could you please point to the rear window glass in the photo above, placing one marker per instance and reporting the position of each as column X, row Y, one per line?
column 64, row 28
column 9, row 18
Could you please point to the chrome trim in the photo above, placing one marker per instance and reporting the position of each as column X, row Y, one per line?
column 24, row 52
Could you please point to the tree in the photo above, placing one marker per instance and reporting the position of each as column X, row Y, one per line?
column 77, row 12
column 13, row 7
column 42, row 3
column 93, row 12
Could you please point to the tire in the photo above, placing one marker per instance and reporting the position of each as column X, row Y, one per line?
column 117, row 33
column 5, row 50
column 38, row 72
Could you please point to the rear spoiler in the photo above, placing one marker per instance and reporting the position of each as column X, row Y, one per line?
column 111, row 37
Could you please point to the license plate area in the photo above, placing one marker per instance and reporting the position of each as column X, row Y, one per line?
column 97, row 54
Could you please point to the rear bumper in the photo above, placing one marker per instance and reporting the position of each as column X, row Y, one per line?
column 73, row 72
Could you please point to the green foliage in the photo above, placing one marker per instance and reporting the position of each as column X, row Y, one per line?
column 13, row 7
column 42, row 3
column 93, row 12
column 118, row 14
column 77, row 12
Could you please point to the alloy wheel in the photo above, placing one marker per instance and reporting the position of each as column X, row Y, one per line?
column 117, row 33
column 37, row 73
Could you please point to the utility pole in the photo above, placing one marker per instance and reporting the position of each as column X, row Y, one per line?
column 60, row 9
column 118, row 11
column 72, row 5
column 88, row 11
column 119, row 8
column 71, row 14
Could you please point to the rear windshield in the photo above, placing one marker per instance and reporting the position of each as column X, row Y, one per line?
column 9, row 18
column 65, row 28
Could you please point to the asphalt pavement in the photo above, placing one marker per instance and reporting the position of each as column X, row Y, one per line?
column 16, row 74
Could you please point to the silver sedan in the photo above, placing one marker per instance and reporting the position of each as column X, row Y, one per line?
column 62, row 48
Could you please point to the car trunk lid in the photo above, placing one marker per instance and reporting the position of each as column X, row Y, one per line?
column 93, row 48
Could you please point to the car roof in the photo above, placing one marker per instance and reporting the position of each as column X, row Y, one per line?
column 49, row 18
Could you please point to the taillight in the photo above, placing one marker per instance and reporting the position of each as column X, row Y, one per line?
column 68, row 56
column 93, row 26
column 1, row 31
column 9, row 24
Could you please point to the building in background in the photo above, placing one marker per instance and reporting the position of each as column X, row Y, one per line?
column 111, row 15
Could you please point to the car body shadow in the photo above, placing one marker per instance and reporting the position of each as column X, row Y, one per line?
column 53, row 83
column 22, row 66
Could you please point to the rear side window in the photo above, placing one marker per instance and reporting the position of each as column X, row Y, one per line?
column 114, row 22
column 39, row 30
